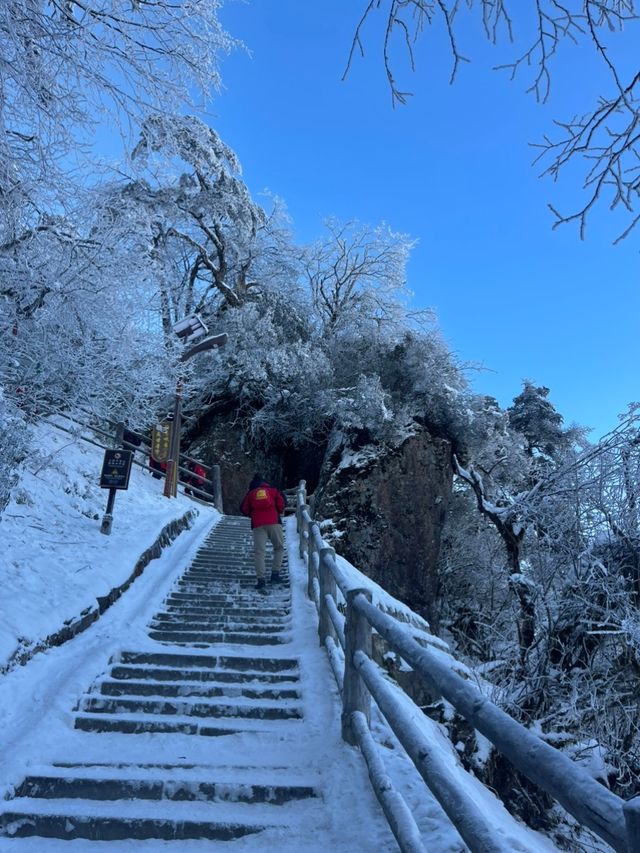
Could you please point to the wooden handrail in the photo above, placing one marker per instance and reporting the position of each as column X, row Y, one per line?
column 401, row 821
column 456, row 800
column 594, row 806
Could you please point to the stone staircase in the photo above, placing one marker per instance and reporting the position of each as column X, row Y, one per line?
column 199, row 735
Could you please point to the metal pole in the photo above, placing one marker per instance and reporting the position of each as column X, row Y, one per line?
column 107, row 518
column 173, row 462
column 216, row 479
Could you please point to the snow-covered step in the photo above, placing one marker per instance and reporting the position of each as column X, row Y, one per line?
column 155, row 673
column 239, row 663
column 206, row 572
column 112, row 820
column 184, row 601
column 212, row 638
column 178, row 689
column 192, row 625
column 224, row 598
column 214, row 566
column 223, row 582
column 239, row 612
column 229, row 618
column 230, row 626
column 186, row 725
column 136, row 724
column 236, row 590
column 94, row 786
column 187, row 707
column 195, row 627
column 275, row 607
column 253, row 601
column 192, row 771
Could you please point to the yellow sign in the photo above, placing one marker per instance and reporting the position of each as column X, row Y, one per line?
column 161, row 441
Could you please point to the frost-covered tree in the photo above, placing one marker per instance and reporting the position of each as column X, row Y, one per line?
column 66, row 66
column 601, row 144
column 534, row 416
column 13, row 439
column 75, row 319
column 561, row 645
column 76, row 323
column 357, row 272
column 196, row 223
column 272, row 372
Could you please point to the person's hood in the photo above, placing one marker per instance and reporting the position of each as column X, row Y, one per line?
column 257, row 481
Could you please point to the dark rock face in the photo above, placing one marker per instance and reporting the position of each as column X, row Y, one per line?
column 389, row 507
column 388, row 504
column 225, row 442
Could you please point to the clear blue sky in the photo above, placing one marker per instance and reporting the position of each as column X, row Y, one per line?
column 453, row 169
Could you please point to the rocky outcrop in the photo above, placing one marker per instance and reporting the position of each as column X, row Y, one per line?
column 387, row 504
column 386, row 508
column 224, row 441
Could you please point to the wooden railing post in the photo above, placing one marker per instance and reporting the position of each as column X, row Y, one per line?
column 631, row 811
column 355, row 696
column 216, row 480
column 304, row 529
column 299, row 503
column 327, row 587
column 311, row 550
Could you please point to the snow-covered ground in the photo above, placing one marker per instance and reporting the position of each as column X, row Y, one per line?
column 58, row 563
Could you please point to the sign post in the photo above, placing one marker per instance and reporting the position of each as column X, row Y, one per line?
column 187, row 331
column 173, row 460
column 116, row 469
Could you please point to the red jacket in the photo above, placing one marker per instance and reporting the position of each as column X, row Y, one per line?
column 197, row 478
column 263, row 505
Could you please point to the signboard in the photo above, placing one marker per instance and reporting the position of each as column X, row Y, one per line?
column 116, row 469
column 161, row 441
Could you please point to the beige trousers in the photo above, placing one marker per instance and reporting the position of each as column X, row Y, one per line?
column 273, row 533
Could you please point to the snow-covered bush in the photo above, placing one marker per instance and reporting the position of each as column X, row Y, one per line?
column 560, row 645
column 14, row 440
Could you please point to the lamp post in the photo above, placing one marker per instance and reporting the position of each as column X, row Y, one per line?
column 188, row 330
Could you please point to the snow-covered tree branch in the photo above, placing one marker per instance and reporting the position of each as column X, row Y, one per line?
column 603, row 144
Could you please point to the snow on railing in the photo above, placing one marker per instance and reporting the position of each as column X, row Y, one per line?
column 359, row 678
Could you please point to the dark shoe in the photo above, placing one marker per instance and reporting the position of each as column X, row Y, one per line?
column 275, row 577
column 260, row 584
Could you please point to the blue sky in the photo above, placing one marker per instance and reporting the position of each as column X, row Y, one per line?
column 452, row 169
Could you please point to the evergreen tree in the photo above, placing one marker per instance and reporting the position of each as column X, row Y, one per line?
column 536, row 418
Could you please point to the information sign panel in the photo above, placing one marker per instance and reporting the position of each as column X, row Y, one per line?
column 161, row 441
column 116, row 469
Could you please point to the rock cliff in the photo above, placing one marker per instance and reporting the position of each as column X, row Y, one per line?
column 386, row 508
column 384, row 505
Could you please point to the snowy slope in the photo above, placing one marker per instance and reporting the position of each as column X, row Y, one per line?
column 56, row 563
